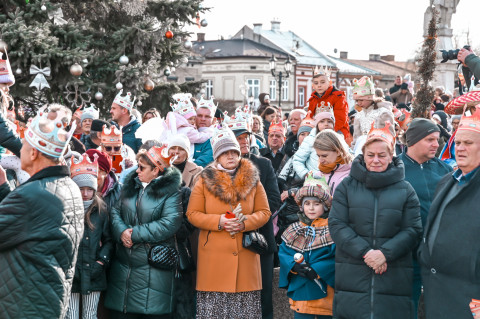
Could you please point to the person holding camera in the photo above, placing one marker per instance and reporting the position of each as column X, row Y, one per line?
column 470, row 60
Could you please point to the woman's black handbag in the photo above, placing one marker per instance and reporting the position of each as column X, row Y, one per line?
column 185, row 259
column 255, row 242
column 163, row 257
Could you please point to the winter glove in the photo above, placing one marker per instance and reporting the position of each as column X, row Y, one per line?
column 304, row 270
column 310, row 273
column 299, row 269
column 97, row 270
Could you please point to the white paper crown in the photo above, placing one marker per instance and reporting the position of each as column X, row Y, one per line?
column 125, row 101
column 323, row 70
column 222, row 132
column 182, row 104
column 208, row 104
column 241, row 120
column 49, row 136
column 91, row 109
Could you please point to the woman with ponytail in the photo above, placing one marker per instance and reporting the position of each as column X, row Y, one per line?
column 95, row 249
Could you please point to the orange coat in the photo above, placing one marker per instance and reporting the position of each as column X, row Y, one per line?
column 338, row 100
column 223, row 265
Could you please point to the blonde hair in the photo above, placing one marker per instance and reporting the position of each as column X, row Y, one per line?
column 328, row 140
column 370, row 142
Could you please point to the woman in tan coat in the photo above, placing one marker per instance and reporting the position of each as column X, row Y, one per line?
column 179, row 146
column 228, row 275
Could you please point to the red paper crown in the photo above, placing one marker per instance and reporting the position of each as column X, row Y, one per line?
column 85, row 166
column 277, row 127
column 401, row 116
column 308, row 121
column 158, row 156
column 111, row 136
column 383, row 134
column 471, row 123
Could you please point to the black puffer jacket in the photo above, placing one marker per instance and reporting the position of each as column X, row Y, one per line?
column 373, row 210
column 96, row 245
column 41, row 226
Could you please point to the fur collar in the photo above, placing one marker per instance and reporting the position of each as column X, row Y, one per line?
column 167, row 184
column 230, row 189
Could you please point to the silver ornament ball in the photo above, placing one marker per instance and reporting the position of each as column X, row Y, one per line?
column 167, row 72
column 188, row 44
column 18, row 71
column 139, row 103
column 43, row 7
column 204, row 23
column 123, row 60
column 119, row 86
column 98, row 96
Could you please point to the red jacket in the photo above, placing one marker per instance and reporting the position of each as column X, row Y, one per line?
column 340, row 108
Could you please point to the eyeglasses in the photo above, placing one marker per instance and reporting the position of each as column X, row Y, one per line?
column 115, row 148
column 141, row 167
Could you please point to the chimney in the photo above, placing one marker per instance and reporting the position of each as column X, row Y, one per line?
column 257, row 28
column 374, row 57
column 275, row 25
column 389, row 58
column 343, row 55
column 200, row 37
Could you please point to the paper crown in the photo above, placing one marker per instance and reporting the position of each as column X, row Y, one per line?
column 183, row 105
column 321, row 70
column 49, row 135
column 111, row 135
column 84, row 166
column 276, row 127
column 383, row 134
column 78, row 113
column 222, row 132
column 457, row 105
column 159, row 157
column 363, row 87
column 125, row 101
column 308, row 121
column 242, row 120
column 401, row 116
column 315, row 185
column 208, row 104
column 324, row 108
column 470, row 123
column 91, row 109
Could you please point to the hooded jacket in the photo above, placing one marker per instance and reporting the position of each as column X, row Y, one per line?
column 374, row 210
column 155, row 214
column 41, row 226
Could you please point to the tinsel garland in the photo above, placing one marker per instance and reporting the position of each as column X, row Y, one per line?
column 425, row 94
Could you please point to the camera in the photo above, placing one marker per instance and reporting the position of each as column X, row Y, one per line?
column 451, row 54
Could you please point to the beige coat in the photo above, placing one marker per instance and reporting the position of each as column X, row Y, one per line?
column 190, row 174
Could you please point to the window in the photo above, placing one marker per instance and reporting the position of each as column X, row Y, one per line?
column 273, row 90
column 209, row 88
column 285, row 90
column 301, row 96
column 253, row 88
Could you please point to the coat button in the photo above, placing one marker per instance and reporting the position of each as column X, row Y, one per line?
column 433, row 271
column 86, row 238
column 88, row 265
column 235, row 254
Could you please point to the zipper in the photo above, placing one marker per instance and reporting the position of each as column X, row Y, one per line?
column 139, row 198
column 375, row 212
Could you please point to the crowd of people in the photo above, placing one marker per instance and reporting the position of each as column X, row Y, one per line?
column 186, row 216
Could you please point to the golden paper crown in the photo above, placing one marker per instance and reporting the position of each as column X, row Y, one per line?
column 84, row 166
column 322, row 70
column 111, row 135
column 276, row 127
column 159, row 156
column 383, row 134
column 471, row 123
column 322, row 108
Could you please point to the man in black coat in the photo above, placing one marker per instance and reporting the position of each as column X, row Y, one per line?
column 41, row 226
column 269, row 182
column 449, row 255
column 295, row 118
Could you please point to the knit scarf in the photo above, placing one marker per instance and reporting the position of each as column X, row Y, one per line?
column 86, row 205
column 305, row 238
column 229, row 171
column 328, row 168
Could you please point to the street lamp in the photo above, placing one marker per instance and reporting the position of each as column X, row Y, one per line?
column 288, row 69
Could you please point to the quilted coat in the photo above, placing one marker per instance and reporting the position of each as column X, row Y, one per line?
column 374, row 210
column 155, row 214
column 223, row 264
column 41, row 226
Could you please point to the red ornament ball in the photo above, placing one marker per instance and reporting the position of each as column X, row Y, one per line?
column 169, row 34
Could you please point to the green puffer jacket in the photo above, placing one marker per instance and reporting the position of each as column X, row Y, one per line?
column 155, row 215
column 41, row 226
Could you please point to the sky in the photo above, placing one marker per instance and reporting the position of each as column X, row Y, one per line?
column 358, row 27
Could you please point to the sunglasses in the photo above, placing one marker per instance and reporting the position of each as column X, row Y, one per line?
column 115, row 148
column 141, row 167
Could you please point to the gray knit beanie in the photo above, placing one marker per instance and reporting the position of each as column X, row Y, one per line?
column 224, row 140
column 418, row 129
column 86, row 180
